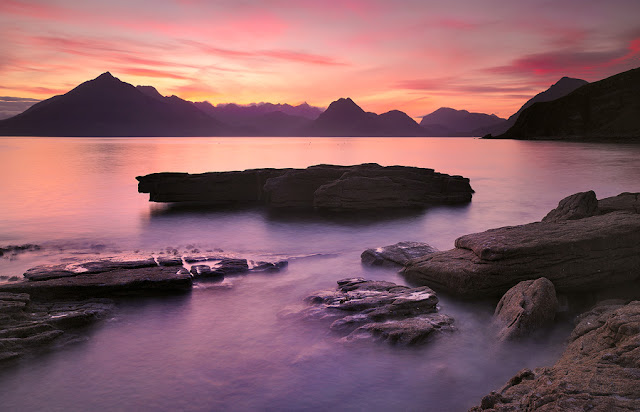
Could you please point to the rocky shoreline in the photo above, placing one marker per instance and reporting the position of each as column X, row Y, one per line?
column 582, row 246
column 580, row 250
column 52, row 301
column 320, row 187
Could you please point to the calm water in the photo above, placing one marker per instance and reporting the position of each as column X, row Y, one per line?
column 228, row 348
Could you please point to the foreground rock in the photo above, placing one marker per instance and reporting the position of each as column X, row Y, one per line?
column 598, row 371
column 587, row 254
column 525, row 309
column 147, row 280
column 27, row 326
column 377, row 310
column 577, row 206
column 396, row 255
column 324, row 187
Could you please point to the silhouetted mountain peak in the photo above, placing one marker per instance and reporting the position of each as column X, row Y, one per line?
column 150, row 91
column 344, row 104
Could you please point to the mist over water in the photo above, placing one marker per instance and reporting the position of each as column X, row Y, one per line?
column 229, row 347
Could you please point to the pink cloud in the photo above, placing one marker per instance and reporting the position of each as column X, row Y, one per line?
column 449, row 84
column 302, row 57
column 564, row 62
column 35, row 90
column 288, row 55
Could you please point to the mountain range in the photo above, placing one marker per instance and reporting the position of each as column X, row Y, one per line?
column 106, row 106
column 450, row 122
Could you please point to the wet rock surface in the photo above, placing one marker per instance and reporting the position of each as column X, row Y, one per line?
column 598, row 371
column 117, row 276
column 396, row 255
column 525, row 309
column 587, row 254
column 27, row 326
column 323, row 187
column 363, row 309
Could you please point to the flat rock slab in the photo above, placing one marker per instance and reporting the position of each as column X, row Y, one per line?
column 27, row 326
column 575, row 255
column 377, row 310
column 396, row 255
column 322, row 187
column 44, row 272
column 115, row 282
column 598, row 371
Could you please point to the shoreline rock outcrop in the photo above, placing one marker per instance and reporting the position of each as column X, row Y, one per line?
column 576, row 254
column 320, row 187
column 363, row 309
column 599, row 369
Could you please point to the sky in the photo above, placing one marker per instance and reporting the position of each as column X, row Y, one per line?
column 486, row 56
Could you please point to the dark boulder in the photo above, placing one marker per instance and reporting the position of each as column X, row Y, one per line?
column 576, row 206
column 526, row 308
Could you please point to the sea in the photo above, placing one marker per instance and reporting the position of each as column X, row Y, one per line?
column 228, row 346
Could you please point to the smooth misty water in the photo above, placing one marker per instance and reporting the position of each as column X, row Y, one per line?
column 228, row 348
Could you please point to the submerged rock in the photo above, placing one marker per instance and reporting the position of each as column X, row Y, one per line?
column 324, row 187
column 526, row 308
column 379, row 310
column 396, row 255
column 599, row 369
column 15, row 249
column 591, row 253
column 27, row 326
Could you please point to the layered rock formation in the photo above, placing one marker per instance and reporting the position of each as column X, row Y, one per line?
column 107, row 277
column 377, row 310
column 591, row 253
column 27, row 326
column 598, row 371
column 323, row 187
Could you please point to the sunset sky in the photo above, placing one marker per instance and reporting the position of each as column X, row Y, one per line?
column 413, row 55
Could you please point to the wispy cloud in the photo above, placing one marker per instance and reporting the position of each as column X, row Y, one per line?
column 285, row 55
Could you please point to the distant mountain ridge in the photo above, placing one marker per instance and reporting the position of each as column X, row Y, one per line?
column 344, row 117
column 106, row 106
column 606, row 109
column 450, row 122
